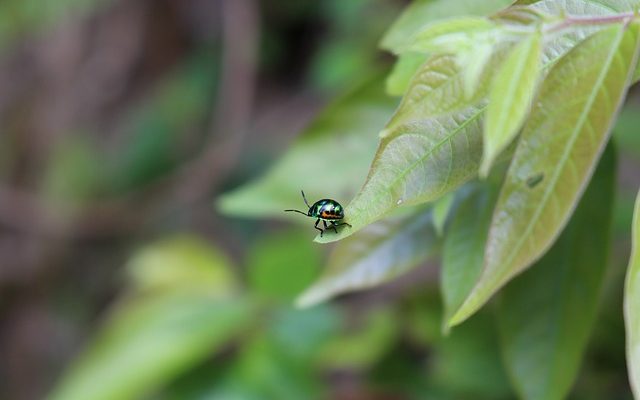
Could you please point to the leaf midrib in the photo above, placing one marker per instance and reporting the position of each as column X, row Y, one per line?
column 439, row 144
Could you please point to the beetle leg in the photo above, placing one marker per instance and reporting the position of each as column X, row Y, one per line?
column 333, row 225
column 325, row 226
column 316, row 226
column 343, row 223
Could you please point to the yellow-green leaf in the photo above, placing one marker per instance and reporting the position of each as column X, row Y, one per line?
column 560, row 145
column 431, row 145
column 632, row 305
column 421, row 13
column 510, row 98
column 450, row 35
column 420, row 161
column 436, row 89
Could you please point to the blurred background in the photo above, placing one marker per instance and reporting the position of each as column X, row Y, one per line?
column 122, row 276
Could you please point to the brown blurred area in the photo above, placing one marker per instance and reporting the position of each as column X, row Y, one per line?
column 73, row 79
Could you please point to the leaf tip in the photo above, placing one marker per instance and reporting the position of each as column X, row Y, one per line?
column 445, row 329
column 456, row 319
column 309, row 298
column 384, row 133
column 485, row 168
column 466, row 310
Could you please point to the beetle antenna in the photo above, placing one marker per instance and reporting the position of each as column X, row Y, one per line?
column 298, row 211
column 305, row 199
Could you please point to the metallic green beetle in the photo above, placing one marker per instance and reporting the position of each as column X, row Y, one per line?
column 325, row 210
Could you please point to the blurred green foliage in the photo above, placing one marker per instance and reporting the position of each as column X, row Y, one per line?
column 210, row 313
column 22, row 17
column 159, row 129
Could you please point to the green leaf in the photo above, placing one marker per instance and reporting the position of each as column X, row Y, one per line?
column 179, row 309
column 301, row 333
column 545, row 315
column 267, row 264
column 431, row 145
column 626, row 135
column 417, row 162
column 436, row 89
column 279, row 362
column 378, row 254
column 510, row 98
column 450, row 35
column 474, row 63
column 403, row 70
column 560, row 145
column 573, row 7
column 467, row 362
column 556, row 46
column 441, row 210
column 632, row 304
column 420, row 13
column 181, row 263
column 148, row 342
column 360, row 348
column 636, row 74
column 330, row 159
column 463, row 252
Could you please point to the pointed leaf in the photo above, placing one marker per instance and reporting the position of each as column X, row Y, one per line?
column 339, row 144
column 510, row 98
column 564, row 136
column 419, row 162
column 632, row 305
column 463, row 252
column 449, row 35
column 545, row 315
column 378, row 254
column 423, row 12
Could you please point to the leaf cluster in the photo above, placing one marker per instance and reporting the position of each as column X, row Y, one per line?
column 494, row 157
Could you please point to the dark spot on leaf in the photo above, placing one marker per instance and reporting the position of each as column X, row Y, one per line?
column 534, row 180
